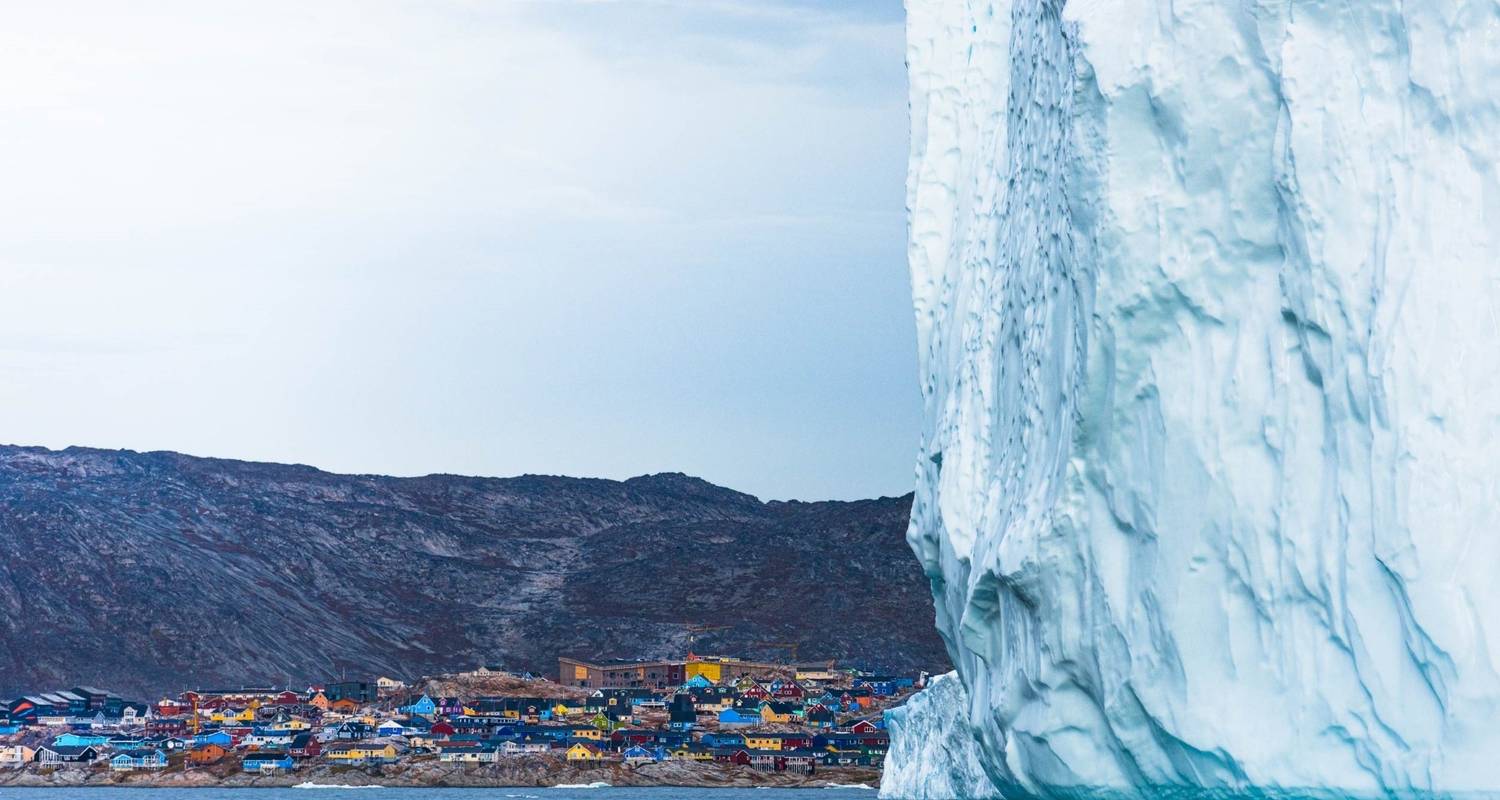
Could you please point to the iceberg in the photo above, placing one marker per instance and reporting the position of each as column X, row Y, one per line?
column 934, row 755
column 1207, row 298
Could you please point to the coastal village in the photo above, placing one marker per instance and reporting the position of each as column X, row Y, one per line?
column 727, row 714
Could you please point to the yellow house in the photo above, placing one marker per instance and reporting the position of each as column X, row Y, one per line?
column 583, row 751
column 422, row 740
column 768, row 714
column 587, row 732
column 762, row 741
column 685, row 753
column 716, row 705
column 245, row 714
column 712, row 670
column 359, row 752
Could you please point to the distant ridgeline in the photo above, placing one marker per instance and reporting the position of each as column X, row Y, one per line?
column 150, row 572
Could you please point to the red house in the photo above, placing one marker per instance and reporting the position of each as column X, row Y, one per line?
column 863, row 726
column 166, row 726
column 741, row 757
column 788, row 689
column 305, row 745
column 795, row 741
column 442, row 730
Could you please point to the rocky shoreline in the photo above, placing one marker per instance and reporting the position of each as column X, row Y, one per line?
column 518, row 772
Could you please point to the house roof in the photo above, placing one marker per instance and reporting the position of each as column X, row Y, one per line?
column 68, row 749
column 266, row 756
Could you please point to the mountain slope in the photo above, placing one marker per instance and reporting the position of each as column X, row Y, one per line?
column 148, row 572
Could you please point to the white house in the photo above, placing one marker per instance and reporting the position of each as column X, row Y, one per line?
column 13, row 756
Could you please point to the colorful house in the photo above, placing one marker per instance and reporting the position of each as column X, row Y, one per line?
column 221, row 738
column 471, row 754
column 305, row 745
column 777, row 713
column 689, row 752
column 786, row 689
column 424, row 706
column 637, row 754
column 268, row 762
column 585, row 732
column 54, row 754
column 206, row 754
column 736, row 716
column 81, row 740
column 360, row 752
column 711, row 671
column 15, row 755
column 526, row 746
column 732, row 755
column 763, row 741
column 721, row 739
column 131, row 760
column 585, row 751
column 818, row 716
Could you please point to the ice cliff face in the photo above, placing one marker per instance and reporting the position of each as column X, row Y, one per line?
column 934, row 753
column 1207, row 296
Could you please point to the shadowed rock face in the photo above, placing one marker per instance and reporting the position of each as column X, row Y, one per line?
column 149, row 572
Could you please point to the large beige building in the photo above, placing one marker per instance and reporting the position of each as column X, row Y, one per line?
column 616, row 674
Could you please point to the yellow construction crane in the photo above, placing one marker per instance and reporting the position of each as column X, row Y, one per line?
column 790, row 647
column 693, row 631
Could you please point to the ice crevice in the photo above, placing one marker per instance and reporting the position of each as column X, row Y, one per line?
column 1206, row 298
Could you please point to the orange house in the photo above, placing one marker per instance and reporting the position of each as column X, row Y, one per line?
column 207, row 754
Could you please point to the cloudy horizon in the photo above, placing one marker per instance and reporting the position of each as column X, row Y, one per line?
column 599, row 238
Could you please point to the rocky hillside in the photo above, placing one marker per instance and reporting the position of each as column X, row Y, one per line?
column 149, row 572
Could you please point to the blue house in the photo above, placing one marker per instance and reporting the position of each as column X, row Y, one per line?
column 425, row 707
column 268, row 762
column 698, row 682
column 638, row 755
column 219, row 738
column 81, row 740
column 390, row 728
column 719, row 739
column 739, row 716
column 138, row 759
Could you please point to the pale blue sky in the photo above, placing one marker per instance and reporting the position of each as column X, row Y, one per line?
column 584, row 237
